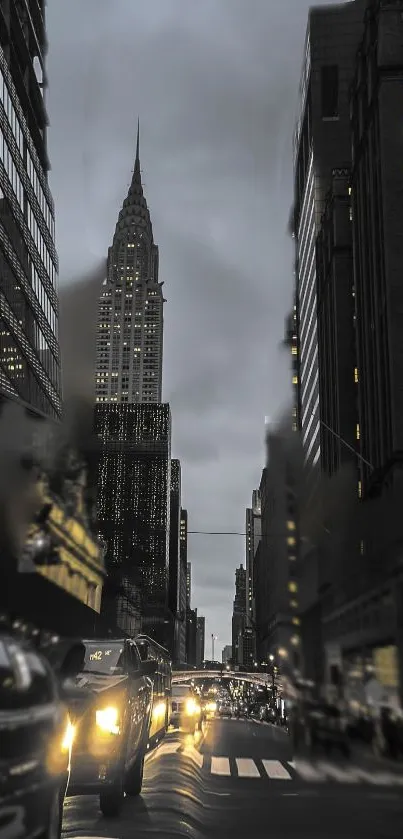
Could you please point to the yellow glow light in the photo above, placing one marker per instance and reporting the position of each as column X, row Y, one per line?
column 107, row 720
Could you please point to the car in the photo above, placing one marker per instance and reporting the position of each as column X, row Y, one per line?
column 111, row 714
column 209, row 705
column 35, row 738
column 185, row 708
column 225, row 709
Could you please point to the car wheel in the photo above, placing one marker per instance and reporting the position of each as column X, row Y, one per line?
column 111, row 799
column 54, row 826
column 134, row 777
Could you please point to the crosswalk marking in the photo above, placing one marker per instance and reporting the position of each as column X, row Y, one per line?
column 194, row 755
column 276, row 771
column 247, row 768
column 168, row 748
column 306, row 770
column 220, row 766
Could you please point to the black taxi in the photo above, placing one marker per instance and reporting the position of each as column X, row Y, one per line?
column 111, row 714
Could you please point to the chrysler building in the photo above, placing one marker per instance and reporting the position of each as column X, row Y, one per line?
column 130, row 319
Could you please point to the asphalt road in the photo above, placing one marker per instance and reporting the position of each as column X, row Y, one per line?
column 239, row 779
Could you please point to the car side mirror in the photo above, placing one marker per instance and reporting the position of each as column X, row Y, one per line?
column 148, row 667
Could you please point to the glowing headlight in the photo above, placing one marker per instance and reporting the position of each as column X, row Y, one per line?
column 192, row 707
column 68, row 737
column 107, row 720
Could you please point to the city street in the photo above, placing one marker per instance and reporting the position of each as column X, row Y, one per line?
column 238, row 778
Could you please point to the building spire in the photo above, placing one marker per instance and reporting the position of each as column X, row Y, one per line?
column 136, row 173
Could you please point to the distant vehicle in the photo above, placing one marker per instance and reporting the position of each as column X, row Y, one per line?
column 162, row 684
column 112, row 719
column 35, row 743
column 185, row 708
column 225, row 709
column 241, row 710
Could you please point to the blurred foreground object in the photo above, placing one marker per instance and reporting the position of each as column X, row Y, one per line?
column 36, row 738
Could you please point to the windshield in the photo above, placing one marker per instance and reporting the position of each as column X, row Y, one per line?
column 104, row 658
column 180, row 690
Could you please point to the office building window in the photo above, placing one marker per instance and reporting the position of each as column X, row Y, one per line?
column 330, row 91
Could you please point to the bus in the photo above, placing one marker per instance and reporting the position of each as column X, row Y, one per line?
column 161, row 711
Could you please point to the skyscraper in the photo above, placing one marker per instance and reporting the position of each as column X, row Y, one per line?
column 253, row 532
column 29, row 348
column 133, row 510
column 322, row 143
column 130, row 320
column 174, row 554
column 183, row 585
column 200, row 640
column 189, row 582
column 238, row 613
column 277, row 618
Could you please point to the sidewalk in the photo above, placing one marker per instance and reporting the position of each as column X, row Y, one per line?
column 365, row 752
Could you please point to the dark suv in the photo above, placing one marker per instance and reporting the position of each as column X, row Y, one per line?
column 111, row 714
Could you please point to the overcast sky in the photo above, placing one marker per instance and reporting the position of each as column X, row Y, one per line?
column 215, row 85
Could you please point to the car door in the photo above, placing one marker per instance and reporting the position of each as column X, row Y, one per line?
column 136, row 694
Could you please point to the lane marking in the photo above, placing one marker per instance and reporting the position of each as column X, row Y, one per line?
column 306, row 770
column 276, row 771
column 247, row 768
column 220, row 766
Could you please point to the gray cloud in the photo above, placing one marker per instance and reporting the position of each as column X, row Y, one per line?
column 215, row 85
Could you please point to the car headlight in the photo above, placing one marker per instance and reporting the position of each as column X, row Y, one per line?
column 68, row 737
column 192, row 707
column 107, row 719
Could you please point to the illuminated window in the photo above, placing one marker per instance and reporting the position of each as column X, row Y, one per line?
column 294, row 351
column 291, row 541
column 359, row 489
column 291, row 525
column 296, row 621
column 356, row 375
column 292, row 586
column 294, row 604
column 295, row 640
column 295, row 380
column 362, row 547
column 357, row 431
column 349, row 190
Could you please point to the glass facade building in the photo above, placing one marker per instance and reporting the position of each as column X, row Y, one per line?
column 29, row 348
column 322, row 143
